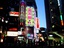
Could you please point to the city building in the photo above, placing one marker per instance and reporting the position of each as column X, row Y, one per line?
column 31, row 14
column 9, row 14
column 52, row 16
column 60, row 4
column 17, row 15
column 54, row 19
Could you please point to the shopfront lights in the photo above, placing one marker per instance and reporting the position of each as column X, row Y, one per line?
column 50, row 35
column 1, row 40
column 53, row 26
column 6, row 21
column 2, row 20
column 1, row 8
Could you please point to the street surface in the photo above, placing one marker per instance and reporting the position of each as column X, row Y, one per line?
column 11, row 45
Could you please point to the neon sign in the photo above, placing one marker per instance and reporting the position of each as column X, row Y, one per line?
column 30, row 15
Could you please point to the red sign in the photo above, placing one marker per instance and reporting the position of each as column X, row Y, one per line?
column 14, row 13
column 13, row 29
column 37, row 23
column 62, row 22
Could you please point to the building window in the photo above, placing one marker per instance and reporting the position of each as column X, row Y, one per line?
column 53, row 26
column 52, row 17
column 50, row 2
column 51, row 9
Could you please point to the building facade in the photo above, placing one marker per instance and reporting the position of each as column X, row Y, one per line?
column 61, row 3
column 18, row 14
column 52, row 16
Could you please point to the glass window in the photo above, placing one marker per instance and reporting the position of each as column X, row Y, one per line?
column 51, row 9
column 50, row 2
column 52, row 16
column 53, row 26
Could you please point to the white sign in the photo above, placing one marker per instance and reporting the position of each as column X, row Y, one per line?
column 19, row 32
column 12, row 33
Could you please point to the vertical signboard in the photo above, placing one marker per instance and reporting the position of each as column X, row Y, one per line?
column 61, row 20
column 22, row 10
column 22, row 13
column 30, row 15
column 61, row 17
column 37, row 23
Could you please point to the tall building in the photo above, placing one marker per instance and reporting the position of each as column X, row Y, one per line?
column 60, row 4
column 31, row 13
column 52, row 16
column 12, row 14
column 16, row 12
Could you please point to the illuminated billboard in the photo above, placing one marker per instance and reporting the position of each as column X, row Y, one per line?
column 13, row 29
column 30, row 36
column 30, row 15
column 13, row 13
column 22, row 13
column 61, row 20
column 12, row 33
column 37, row 23
column 22, row 10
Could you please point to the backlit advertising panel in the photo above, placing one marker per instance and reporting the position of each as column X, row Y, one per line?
column 22, row 10
column 12, row 33
column 13, row 13
column 22, row 13
column 30, row 32
column 30, row 15
column 37, row 23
